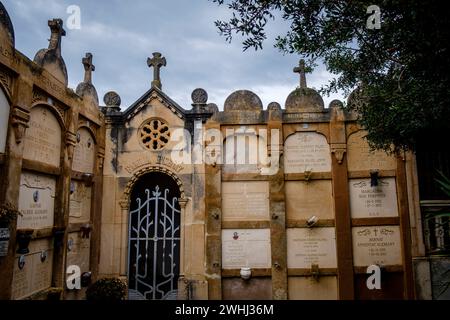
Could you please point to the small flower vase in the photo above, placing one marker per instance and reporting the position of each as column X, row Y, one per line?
column 23, row 240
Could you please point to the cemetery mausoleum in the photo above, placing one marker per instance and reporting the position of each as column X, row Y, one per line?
column 205, row 201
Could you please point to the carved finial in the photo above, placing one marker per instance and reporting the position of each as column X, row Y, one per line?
column 156, row 62
column 301, row 70
column 88, row 68
column 57, row 32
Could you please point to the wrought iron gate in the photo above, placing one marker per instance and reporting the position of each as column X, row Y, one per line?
column 154, row 241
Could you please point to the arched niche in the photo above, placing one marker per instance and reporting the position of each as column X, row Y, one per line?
column 4, row 117
column 245, row 153
column 84, row 154
column 361, row 158
column 307, row 151
column 43, row 137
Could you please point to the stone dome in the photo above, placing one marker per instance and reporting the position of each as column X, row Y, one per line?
column 243, row 100
column 304, row 99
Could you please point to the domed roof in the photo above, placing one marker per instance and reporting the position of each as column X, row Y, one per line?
column 243, row 100
column 6, row 27
column 303, row 98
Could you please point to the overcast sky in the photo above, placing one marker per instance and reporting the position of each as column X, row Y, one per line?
column 121, row 34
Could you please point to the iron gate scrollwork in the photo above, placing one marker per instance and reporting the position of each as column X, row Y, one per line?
column 154, row 239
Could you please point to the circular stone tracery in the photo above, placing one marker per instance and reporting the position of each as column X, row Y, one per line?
column 155, row 134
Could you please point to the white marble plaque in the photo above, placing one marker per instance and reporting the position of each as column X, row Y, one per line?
column 245, row 201
column 378, row 245
column 4, row 118
column 307, row 199
column 84, row 153
column 36, row 201
column 308, row 246
column 361, row 158
column 307, row 151
column 373, row 202
column 307, row 288
column 36, row 274
column 43, row 138
column 80, row 202
column 246, row 248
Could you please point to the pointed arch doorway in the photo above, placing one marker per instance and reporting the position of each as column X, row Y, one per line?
column 154, row 238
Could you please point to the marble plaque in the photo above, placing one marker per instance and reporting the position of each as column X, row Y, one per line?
column 246, row 248
column 36, row 274
column 43, row 138
column 244, row 153
column 307, row 151
column 308, row 246
column 80, row 202
column 377, row 245
column 245, row 201
column 78, row 252
column 4, row 118
column 361, row 158
column 307, row 199
column 36, row 201
column 307, row 288
column 373, row 202
column 84, row 153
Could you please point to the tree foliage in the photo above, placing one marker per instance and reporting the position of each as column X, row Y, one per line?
column 401, row 70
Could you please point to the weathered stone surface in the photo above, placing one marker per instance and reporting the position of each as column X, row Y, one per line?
column 84, row 154
column 243, row 100
column 6, row 27
column 361, row 157
column 245, row 201
column 308, row 288
column 43, row 137
column 51, row 59
column 307, row 199
column 254, row 289
column 4, row 117
column 307, row 151
column 80, row 202
column 36, row 274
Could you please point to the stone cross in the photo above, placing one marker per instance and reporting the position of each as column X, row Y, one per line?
column 57, row 32
column 301, row 70
column 156, row 62
column 88, row 68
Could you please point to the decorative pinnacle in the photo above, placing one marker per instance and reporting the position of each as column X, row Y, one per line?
column 57, row 32
column 88, row 68
column 156, row 62
column 301, row 70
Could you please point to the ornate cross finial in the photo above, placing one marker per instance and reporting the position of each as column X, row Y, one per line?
column 301, row 70
column 88, row 68
column 156, row 62
column 57, row 32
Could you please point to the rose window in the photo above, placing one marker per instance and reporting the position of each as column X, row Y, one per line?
column 155, row 134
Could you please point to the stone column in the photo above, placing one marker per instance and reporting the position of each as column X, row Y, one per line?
column 341, row 194
column 213, row 211
column 62, row 203
column 123, row 237
column 277, row 212
column 19, row 119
